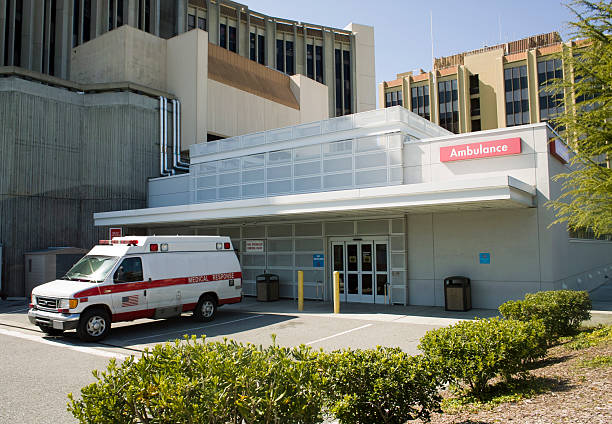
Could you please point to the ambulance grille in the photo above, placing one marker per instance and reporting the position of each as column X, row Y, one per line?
column 46, row 302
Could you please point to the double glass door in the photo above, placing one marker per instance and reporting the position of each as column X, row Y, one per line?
column 364, row 270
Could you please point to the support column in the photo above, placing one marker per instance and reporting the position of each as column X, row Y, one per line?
column 131, row 13
column 11, row 33
column 27, row 33
column 38, row 37
column 305, row 55
column 47, row 38
column 248, row 38
column 156, row 10
column 238, row 30
column 353, row 76
column 3, row 23
column 181, row 17
column 63, row 38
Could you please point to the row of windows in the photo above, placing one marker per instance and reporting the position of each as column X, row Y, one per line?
column 314, row 62
column 550, row 103
column 420, row 101
column 393, row 98
column 517, row 96
column 284, row 57
column 448, row 105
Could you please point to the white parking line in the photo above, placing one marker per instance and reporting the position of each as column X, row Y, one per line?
column 192, row 329
column 82, row 349
column 338, row 334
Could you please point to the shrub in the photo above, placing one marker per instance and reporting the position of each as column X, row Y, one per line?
column 380, row 386
column 561, row 311
column 202, row 382
column 474, row 352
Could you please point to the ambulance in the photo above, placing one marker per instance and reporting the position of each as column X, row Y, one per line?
column 128, row 278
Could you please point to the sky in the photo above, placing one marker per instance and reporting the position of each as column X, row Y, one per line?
column 402, row 32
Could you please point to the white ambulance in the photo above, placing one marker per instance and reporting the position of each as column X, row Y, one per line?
column 129, row 278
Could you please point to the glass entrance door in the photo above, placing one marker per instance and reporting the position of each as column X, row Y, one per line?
column 363, row 270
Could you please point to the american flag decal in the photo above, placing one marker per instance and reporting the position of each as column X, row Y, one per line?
column 129, row 300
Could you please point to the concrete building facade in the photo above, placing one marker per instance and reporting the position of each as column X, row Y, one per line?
column 493, row 87
column 391, row 201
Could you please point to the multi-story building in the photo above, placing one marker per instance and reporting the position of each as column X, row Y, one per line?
column 39, row 35
column 97, row 96
column 493, row 87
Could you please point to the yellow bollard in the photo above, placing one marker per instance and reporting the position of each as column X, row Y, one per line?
column 300, row 290
column 336, row 292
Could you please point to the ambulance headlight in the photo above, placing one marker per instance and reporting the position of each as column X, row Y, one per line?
column 68, row 303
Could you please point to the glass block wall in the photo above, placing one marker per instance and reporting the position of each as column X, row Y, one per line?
column 355, row 163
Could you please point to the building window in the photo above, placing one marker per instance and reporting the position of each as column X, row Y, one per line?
column 420, row 101
column 147, row 16
column 550, row 103
column 393, row 98
column 223, row 36
column 86, row 21
column 202, row 23
column 475, row 106
column 289, row 68
column 261, row 49
column 280, row 56
column 448, row 105
column 310, row 61
column 588, row 234
column 252, row 46
column 474, row 84
column 517, row 96
column 338, row 75
column 119, row 13
column 191, row 22
column 18, row 25
column 76, row 19
column 476, row 125
column 346, row 56
column 319, row 64
column 111, row 15
column 232, row 39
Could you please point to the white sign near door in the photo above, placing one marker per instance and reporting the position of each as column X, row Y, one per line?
column 254, row 245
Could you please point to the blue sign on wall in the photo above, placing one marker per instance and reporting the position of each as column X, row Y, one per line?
column 485, row 258
column 318, row 261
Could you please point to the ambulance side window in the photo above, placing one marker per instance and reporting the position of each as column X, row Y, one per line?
column 130, row 270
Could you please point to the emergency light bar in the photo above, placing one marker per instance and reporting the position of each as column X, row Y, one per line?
column 128, row 242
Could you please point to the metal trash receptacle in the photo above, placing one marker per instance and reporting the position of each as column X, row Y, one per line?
column 267, row 287
column 457, row 294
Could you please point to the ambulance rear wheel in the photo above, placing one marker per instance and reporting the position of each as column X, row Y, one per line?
column 206, row 309
column 94, row 325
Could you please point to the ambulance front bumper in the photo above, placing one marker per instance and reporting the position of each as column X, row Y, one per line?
column 53, row 319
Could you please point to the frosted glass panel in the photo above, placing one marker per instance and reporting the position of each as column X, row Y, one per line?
column 307, row 130
column 303, row 260
column 307, row 153
column 307, row 184
column 308, row 245
column 254, row 139
column 233, row 178
column 398, row 260
column 252, row 176
column 395, row 141
column 253, row 231
column 229, row 164
column 338, row 180
column 397, row 243
column 397, row 225
column 231, row 192
column 277, row 172
column 253, row 260
column 280, row 260
column 373, row 227
column 207, row 195
column 253, row 190
column 280, row 156
column 338, row 164
column 309, row 229
column 395, row 157
column 314, row 275
column 372, row 160
column 233, row 232
column 207, row 168
column 278, row 187
column 371, row 177
column 207, row 231
column 208, row 181
column 397, row 174
column 253, row 161
column 341, row 228
column 306, row 168
column 338, row 148
column 280, row 245
column 278, row 230
column 279, row 135
column 371, row 143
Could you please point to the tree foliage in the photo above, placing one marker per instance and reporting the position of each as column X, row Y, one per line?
column 586, row 199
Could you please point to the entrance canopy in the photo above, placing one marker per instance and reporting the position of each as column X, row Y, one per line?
column 500, row 192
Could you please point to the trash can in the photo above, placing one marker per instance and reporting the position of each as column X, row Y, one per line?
column 457, row 294
column 267, row 287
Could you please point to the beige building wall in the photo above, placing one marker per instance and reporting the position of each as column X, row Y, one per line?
column 365, row 79
column 312, row 97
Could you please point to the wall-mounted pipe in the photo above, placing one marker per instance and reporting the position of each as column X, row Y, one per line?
column 166, row 164
column 176, row 147
column 162, row 130
column 178, row 119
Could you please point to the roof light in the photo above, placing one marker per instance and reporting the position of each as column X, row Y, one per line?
column 164, row 247
column 122, row 241
column 226, row 245
column 153, row 247
column 219, row 246
column 104, row 242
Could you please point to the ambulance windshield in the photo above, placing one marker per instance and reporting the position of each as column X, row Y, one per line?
column 91, row 268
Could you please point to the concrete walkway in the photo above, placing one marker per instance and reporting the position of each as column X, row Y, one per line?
column 601, row 298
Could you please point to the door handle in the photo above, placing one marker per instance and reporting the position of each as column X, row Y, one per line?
column 145, row 292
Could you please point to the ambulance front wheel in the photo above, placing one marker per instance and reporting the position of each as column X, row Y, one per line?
column 94, row 325
column 206, row 309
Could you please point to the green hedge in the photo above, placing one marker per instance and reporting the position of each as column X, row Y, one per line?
column 474, row 352
column 196, row 382
column 206, row 383
column 561, row 311
column 380, row 386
